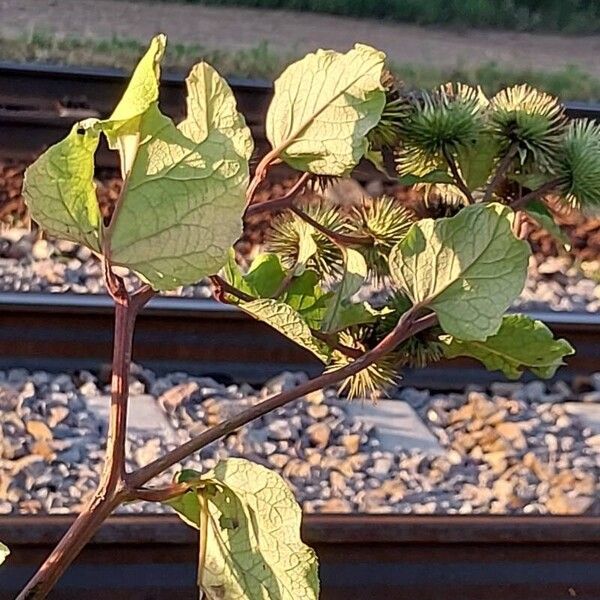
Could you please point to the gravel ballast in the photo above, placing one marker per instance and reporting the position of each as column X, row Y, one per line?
column 516, row 449
column 28, row 264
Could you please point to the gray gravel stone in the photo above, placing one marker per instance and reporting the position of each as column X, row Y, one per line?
column 519, row 450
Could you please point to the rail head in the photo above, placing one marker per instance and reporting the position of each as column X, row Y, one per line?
column 174, row 306
column 53, row 72
column 335, row 529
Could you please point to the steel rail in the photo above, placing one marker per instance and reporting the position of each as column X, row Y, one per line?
column 69, row 331
column 39, row 104
column 362, row 557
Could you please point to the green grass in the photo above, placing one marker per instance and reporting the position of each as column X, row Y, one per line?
column 258, row 62
column 261, row 62
column 569, row 16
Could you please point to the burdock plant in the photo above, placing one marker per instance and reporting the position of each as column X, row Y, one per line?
column 451, row 276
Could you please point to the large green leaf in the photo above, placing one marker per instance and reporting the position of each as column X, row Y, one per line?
column 468, row 268
column 184, row 197
column 306, row 296
column 477, row 160
column 184, row 194
column 263, row 278
column 4, row 552
column 520, row 343
column 359, row 313
column 353, row 278
column 265, row 275
column 287, row 321
column 323, row 107
column 60, row 191
column 253, row 546
column 233, row 275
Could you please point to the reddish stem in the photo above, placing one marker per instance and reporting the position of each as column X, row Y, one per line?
column 112, row 489
column 408, row 326
column 282, row 202
column 500, row 172
column 260, row 174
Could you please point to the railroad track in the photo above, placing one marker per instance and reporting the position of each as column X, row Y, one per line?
column 64, row 332
column 39, row 104
column 361, row 557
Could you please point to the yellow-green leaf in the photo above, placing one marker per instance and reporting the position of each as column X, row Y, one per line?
column 184, row 194
column 353, row 278
column 59, row 187
column 253, row 548
column 123, row 126
column 286, row 320
column 477, row 160
column 306, row 296
column 265, row 275
column 4, row 552
column 520, row 343
column 323, row 107
column 182, row 205
column 307, row 248
column 468, row 268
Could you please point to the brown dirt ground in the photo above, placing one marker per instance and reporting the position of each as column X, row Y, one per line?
column 295, row 32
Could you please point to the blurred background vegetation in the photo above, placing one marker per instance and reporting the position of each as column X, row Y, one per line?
column 263, row 62
column 567, row 16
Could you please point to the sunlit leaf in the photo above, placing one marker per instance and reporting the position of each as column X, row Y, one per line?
column 307, row 248
column 357, row 313
column 4, row 552
column 124, row 131
column 254, row 550
column 520, row 343
column 60, row 191
column 468, row 268
column 477, row 160
column 287, row 321
column 185, row 194
column 353, row 278
column 265, row 275
column 323, row 107
column 181, row 205
column 306, row 296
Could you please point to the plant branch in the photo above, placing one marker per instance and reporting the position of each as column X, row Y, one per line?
column 544, row 189
column 333, row 343
column 112, row 489
column 501, row 171
column 408, row 326
column 334, row 236
column 159, row 494
column 260, row 174
column 69, row 547
column 462, row 186
column 223, row 287
column 280, row 203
